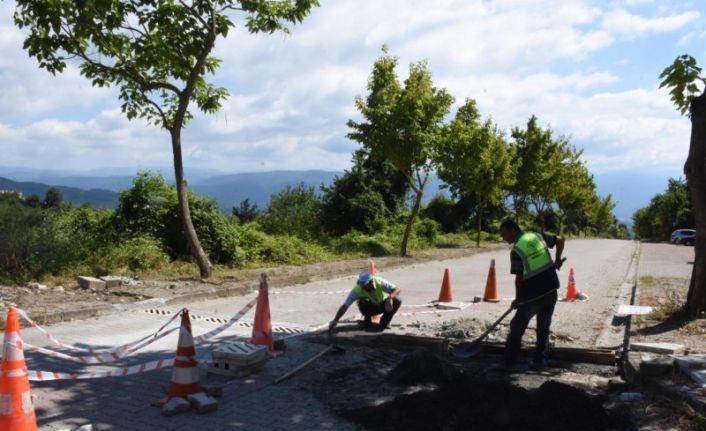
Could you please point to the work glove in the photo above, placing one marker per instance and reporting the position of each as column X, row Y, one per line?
column 388, row 305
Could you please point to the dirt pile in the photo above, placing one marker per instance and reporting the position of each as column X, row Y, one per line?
column 464, row 402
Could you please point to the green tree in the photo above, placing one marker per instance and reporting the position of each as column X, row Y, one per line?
column 601, row 214
column 685, row 81
column 474, row 160
column 246, row 211
column 666, row 212
column 293, row 211
column 54, row 198
column 576, row 188
column 158, row 55
column 33, row 201
column 364, row 198
column 402, row 124
column 150, row 209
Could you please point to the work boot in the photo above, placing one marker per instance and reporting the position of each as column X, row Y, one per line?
column 367, row 323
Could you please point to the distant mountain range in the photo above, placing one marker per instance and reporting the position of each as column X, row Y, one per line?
column 100, row 187
column 98, row 198
column 102, row 191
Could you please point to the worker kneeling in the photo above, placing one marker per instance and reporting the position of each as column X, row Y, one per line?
column 375, row 295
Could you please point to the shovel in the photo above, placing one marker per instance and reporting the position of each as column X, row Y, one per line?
column 332, row 347
column 468, row 349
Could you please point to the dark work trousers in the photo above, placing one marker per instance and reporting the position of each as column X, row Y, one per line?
column 543, row 308
column 368, row 309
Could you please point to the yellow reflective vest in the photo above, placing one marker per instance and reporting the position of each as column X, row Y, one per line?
column 534, row 254
column 377, row 296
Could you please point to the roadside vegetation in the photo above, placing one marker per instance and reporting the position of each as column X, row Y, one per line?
column 365, row 212
column 665, row 213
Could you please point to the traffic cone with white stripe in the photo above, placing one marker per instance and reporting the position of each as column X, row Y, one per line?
column 262, row 328
column 571, row 290
column 491, row 285
column 16, row 407
column 185, row 373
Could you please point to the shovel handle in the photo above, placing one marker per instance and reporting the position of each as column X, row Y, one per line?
column 302, row 365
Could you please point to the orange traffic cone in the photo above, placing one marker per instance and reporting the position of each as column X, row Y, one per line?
column 262, row 329
column 491, row 285
column 571, row 290
column 185, row 375
column 16, row 408
column 446, row 295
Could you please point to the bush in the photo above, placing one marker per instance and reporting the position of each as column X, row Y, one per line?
column 151, row 208
column 293, row 211
column 428, row 230
column 357, row 243
column 135, row 254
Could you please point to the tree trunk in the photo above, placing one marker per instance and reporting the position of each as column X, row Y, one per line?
column 197, row 251
column 694, row 171
column 410, row 222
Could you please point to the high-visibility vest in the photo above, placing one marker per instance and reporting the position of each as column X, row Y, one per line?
column 377, row 296
column 534, row 253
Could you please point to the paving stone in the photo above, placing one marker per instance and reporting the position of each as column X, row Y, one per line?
column 111, row 281
column 202, row 402
column 90, row 283
column 664, row 348
column 175, row 406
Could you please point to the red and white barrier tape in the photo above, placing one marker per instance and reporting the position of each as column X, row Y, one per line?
column 321, row 292
column 102, row 351
column 44, row 376
column 122, row 352
column 99, row 358
column 226, row 325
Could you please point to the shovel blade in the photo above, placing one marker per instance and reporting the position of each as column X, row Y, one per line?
column 466, row 350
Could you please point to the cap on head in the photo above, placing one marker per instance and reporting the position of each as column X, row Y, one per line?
column 364, row 278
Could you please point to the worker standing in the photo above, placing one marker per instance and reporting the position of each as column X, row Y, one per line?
column 536, row 285
column 375, row 295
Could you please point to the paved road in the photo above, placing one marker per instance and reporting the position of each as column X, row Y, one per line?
column 602, row 267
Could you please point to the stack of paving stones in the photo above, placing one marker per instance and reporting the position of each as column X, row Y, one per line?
column 238, row 359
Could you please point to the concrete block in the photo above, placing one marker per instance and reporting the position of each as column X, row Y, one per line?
column 240, row 353
column 663, row 348
column 90, row 283
column 175, row 406
column 657, row 366
column 202, row 402
column 226, row 368
column 111, row 281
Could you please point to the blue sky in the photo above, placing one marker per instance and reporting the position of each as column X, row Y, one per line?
column 588, row 69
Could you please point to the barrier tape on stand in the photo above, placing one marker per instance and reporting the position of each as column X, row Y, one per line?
column 102, row 351
column 226, row 325
column 45, row 376
column 321, row 292
column 98, row 358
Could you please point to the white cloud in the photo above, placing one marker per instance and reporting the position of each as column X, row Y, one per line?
column 292, row 95
column 621, row 22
